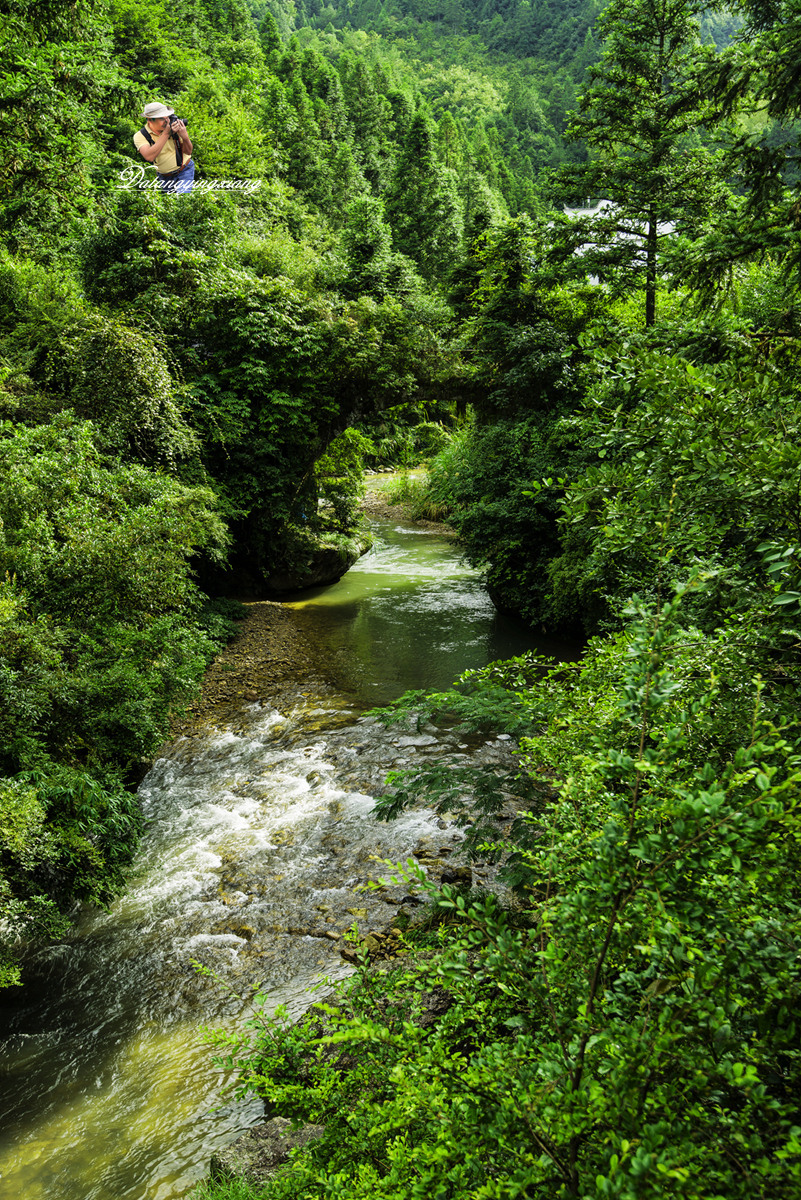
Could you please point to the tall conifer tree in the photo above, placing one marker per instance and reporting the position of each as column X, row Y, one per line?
column 421, row 203
column 640, row 118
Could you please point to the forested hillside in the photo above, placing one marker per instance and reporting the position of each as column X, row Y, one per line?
column 376, row 263
column 190, row 390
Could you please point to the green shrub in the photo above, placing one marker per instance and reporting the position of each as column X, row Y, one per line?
column 696, row 460
column 484, row 481
column 340, row 482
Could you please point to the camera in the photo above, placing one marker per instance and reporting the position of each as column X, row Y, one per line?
column 173, row 119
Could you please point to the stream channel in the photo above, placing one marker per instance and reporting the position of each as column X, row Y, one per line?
column 259, row 838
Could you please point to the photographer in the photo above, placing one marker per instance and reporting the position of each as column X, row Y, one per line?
column 163, row 141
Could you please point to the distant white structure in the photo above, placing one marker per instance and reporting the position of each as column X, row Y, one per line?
column 596, row 210
column 588, row 212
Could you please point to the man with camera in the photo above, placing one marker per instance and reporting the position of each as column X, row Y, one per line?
column 163, row 141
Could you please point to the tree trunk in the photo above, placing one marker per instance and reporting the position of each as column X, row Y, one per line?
column 650, row 270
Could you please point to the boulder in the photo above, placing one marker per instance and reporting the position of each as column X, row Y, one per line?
column 326, row 564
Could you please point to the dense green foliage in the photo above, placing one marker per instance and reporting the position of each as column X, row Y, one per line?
column 623, row 461
column 190, row 388
column 178, row 385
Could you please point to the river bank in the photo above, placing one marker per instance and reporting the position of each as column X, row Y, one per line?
column 265, row 661
column 375, row 504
